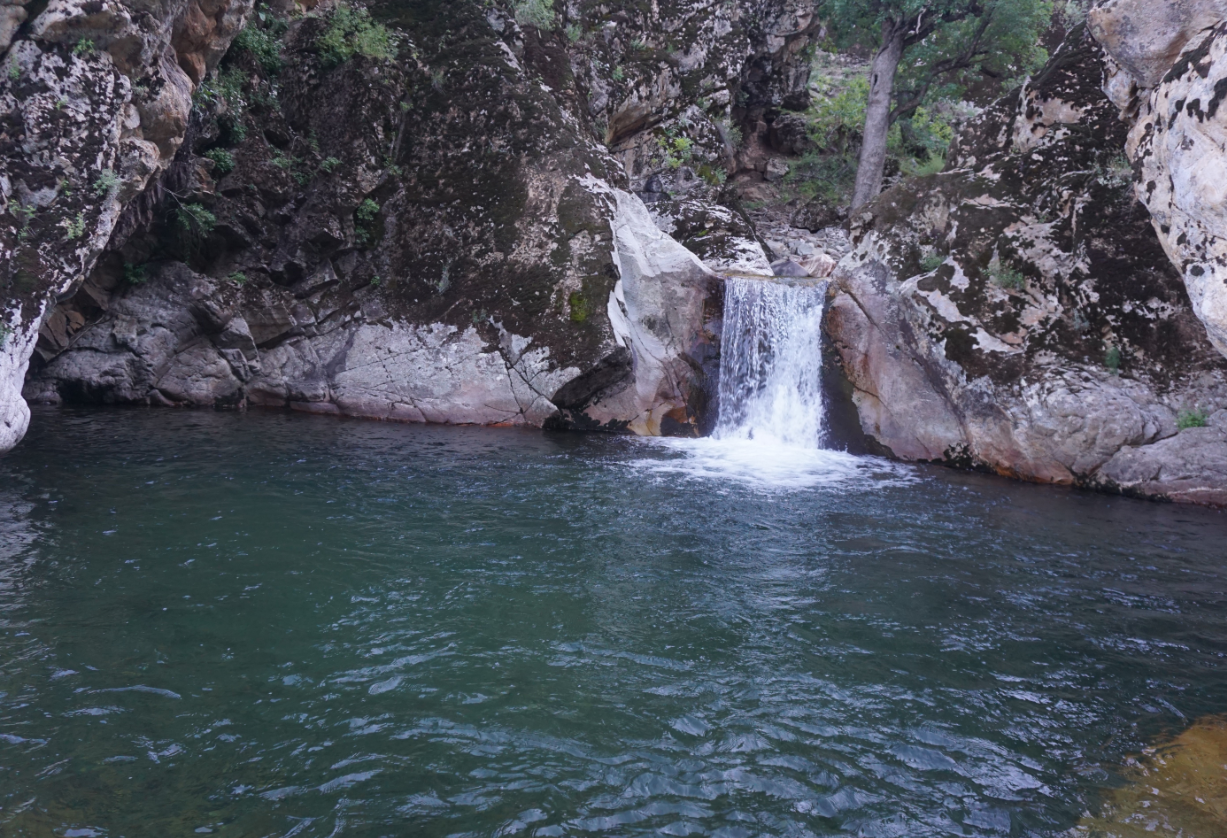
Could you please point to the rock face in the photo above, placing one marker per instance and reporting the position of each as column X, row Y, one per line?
column 1017, row 313
column 1170, row 79
column 94, row 101
column 439, row 235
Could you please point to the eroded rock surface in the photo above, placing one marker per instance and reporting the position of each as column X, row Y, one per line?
column 435, row 237
column 94, row 102
column 1169, row 77
column 1016, row 313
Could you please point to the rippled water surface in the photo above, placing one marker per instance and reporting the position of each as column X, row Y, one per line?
column 279, row 625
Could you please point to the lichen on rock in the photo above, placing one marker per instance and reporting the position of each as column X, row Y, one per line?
column 1017, row 313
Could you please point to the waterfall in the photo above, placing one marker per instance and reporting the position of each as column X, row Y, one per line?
column 772, row 419
column 771, row 363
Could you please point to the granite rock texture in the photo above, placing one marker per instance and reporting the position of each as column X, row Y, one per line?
column 1016, row 313
column 453, row 204
column 94, row 102
column 1169, row 77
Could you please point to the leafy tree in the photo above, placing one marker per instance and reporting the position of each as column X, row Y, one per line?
column 927, row 48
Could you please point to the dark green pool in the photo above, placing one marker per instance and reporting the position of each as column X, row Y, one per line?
column 259, row 625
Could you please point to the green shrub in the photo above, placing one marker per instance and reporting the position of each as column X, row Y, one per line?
column 263, row 44
column 223, row 161
column 134, row 274
column 238, row 278
column 366, row 217
column 24, row 214
column 1005, row 276
column 106, row 184
column 1112, row 358
column 931, row 165
column 575, row 33
column 351, row 32
column 195, row 223
column 837, row 120
column 1191, row 419
column 5, row 334
column 84, row 47
column 678, row 150
column 931, row 262
column 14, row 70
column 329, row 164
column 538, row 13
column 74, row 229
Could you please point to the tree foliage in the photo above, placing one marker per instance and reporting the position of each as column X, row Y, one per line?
column 935, row 49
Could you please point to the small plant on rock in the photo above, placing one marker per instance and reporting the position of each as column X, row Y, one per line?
column 193, row 224
column 238, row 278
column 106, row 184
column 1112, row 359
column 575, row 33
column 24, row 214
column 14, row 70
column 84, row 47
column 135, row 274
column 538, row 13
column 223, row 161
column 263, row 44
column 931, row 262
column 329, row 164
column 365, row 217
column 1005, row 276
column 5, row 333
column 75, row 228
column 1192, row 419
column 351, row 32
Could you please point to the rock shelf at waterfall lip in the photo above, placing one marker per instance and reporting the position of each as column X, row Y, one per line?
column 816, row 282
column 765, row 464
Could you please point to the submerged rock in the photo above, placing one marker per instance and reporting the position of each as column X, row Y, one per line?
column 1177, row 788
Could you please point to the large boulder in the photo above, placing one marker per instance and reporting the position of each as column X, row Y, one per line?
column 1016, row 313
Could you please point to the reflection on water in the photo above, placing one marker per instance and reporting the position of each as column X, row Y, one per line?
column 272, row 625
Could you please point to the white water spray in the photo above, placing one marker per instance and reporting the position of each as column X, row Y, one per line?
column 771, row 364
column 772, row 416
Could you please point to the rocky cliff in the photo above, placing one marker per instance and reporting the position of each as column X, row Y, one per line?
column 94, row 101
column 436, row 228
column 1018, row 313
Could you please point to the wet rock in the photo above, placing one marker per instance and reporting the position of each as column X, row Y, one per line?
column 787, row 267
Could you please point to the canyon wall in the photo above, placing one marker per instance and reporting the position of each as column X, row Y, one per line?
column 441, row 229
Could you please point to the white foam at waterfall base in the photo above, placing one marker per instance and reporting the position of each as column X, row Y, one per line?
column 772, row 417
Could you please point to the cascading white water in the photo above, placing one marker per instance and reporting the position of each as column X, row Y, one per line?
column 772, row 417
column 771, row 363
